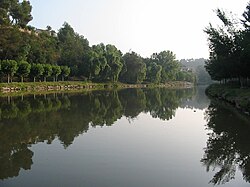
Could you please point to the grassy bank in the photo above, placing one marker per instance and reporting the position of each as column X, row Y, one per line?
column 238, row 97
column 78, row 85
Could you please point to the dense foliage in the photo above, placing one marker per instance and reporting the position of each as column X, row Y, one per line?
column 32, row 51
column 230, row 48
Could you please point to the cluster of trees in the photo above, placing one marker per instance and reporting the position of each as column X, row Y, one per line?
column 23, row 69
column 229, row 47
column 163, row 66
column 21, row 42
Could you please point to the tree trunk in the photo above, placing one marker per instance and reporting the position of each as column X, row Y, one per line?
column 44, row 79
column 34, row 79
column 21, row 78
column 241, row 82
column 8, row 78
column 62, row 78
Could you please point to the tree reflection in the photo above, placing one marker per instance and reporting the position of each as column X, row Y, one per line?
column 13, row 160
column 43, row 118
column 133, row 102
column 199, row 100
column 228, row 143
column 165, row 107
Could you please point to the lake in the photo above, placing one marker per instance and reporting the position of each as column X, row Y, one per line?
column 127, row 138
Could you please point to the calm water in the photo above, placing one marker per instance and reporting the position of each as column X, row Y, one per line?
column 129, row 138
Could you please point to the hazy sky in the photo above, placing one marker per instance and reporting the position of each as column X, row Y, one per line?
column 143, row 26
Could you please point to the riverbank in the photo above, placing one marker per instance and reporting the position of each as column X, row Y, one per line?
column 78, row 85
column 238, row 97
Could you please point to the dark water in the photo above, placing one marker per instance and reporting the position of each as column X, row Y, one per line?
column 134, row 137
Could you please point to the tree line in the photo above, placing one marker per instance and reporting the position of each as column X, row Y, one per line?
column 229, row 45
column 66, row 48
column 23, row 69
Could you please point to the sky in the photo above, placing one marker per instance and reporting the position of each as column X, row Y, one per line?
column 142, row 26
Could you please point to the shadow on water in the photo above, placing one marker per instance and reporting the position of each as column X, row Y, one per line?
column 228, row 143
column 25, row 121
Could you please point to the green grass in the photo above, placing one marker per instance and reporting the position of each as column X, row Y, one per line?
column 239, row 97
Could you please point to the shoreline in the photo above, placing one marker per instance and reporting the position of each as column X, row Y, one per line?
column 239, row 98
column 36, row 87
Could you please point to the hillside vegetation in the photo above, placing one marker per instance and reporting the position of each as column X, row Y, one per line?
column 32, row 54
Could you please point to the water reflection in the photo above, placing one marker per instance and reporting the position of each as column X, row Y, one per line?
column 199, row 99
column 228, row 143
column 42, row 118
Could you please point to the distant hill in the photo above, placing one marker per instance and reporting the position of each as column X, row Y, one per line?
column 193, row 63
column 197, row 66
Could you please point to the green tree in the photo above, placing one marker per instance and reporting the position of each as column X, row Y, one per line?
column 185, row 76
column 56, row 70
column 169, row 64
column 65, row 71
column 36, row 71
column 47, row 71
column 93, row 66
column 245, row 53
column 23, row 69
column 153, row 72
column 225, row 49
column 96, row 62
column 9, row 68
column 44, row 48
column 15, row 12
column 114, row 63
column 73, row 46
column 23, row 15
column 136, row 68
column 14, row 44
column 4, row 12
